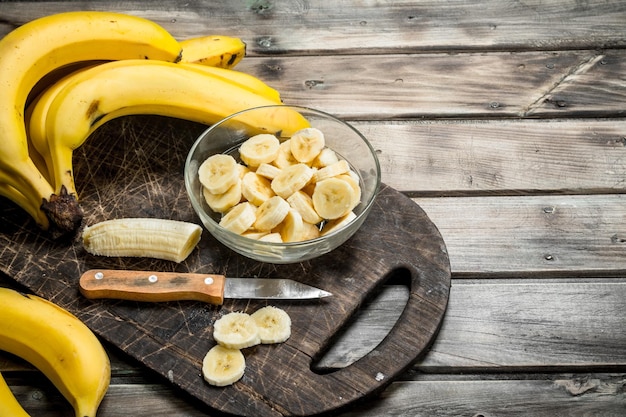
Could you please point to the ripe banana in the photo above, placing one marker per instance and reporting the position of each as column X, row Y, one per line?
column 57, row 343
column 213, row 50
column 9, row 406
column 142, row 237
column 28, row 205
column 37, row 48
column 120, row 88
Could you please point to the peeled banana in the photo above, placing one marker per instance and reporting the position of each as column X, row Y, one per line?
column 9, row 406
column 37, row 48
column 57, row 343
column 142, row 237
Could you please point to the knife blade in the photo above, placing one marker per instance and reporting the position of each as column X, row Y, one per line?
column 156, row 286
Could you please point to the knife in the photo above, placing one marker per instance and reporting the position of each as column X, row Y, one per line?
column 172, row 286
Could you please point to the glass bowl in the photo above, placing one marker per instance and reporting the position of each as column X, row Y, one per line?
column 226, row 136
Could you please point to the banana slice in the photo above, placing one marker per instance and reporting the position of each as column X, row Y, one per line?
column 326, row 157
column 306, row 144
column 284, row 158
column 222, row 366
column 332, row 170
column 224, row 201
column 236, row 331
column 292, row 179
column 274, row 324
column 303, row 204
column 333, row 198
column 218, row 173
column 268, row 171
column 310, row 231
column 239, row 218
column 259, row 149
column 292, row 227
column 354, row 183
column 171, row 240
column 271, row 213
column 271, row 237
column 337, row 224
column 256, row 189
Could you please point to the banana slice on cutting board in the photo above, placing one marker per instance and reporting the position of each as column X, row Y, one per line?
column 274, row 324
column 236, row 331
column 222, row 366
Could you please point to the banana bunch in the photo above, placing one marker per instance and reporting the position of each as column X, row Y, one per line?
column 59, row 345
column 65, row 75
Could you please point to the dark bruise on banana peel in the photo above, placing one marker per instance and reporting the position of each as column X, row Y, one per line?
column 64, row 213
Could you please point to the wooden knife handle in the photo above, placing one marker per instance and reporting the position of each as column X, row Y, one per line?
column 152, row 286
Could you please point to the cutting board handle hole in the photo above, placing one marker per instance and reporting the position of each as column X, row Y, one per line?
column 375, row 318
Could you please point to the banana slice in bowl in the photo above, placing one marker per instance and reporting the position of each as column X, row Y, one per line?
column 297, row 180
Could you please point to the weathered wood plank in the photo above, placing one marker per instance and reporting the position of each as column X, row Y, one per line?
column 282, row 26
column 500, row 326
column 567, row 396
column 501, row 157
column 545, row 235
column 542, row 396
column 464, row 85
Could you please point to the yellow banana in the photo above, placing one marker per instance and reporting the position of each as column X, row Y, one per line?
column 16, row 196
column 9, row 406
column 37, row 111
column 59, row 345
column 37, row 48
column 129, row 87
column 35, row 122
column 243, row 79
column 214, row 50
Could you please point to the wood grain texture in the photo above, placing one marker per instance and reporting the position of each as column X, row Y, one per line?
column 500, row 157
column 462, row 85
column 499, row 325
column 279, row 27
column 532, row 235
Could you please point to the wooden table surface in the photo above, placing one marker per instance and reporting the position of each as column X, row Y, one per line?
column 504, row 120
